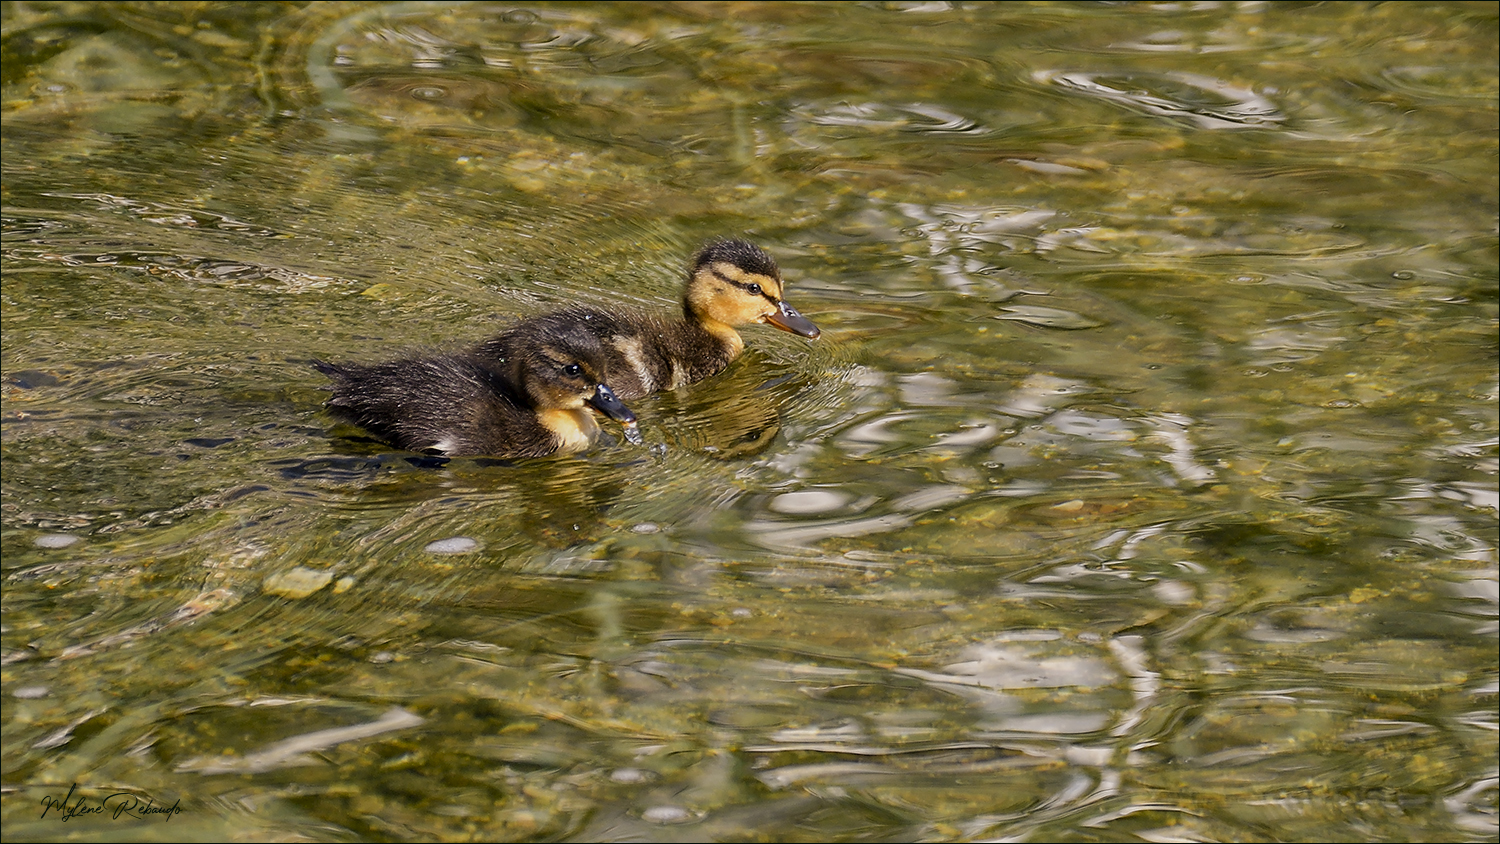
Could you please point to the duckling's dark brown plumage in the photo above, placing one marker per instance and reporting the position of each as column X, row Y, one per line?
column 730, row 282
column 519, row 395
column 645, row 352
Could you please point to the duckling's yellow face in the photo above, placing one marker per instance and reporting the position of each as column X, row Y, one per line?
column 722, row 292
column 731, row 295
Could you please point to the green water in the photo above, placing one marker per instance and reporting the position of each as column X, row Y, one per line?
column 1142, row 485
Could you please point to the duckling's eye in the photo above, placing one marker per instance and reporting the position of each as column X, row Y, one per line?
column 573, row 369
column 754, row 289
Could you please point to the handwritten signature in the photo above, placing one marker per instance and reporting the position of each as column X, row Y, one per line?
column 115, row 806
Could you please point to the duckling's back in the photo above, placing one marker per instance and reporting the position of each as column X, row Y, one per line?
column 643, row 352
column 448, row 404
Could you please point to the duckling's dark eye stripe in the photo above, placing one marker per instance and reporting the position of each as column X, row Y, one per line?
column 745, row 286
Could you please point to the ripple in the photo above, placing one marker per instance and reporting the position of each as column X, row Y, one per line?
column 930, row 498
column 574, row 68
column 167, row 214
column 1041, row 394
column 1208, row 102
column 292, row 751
column 1437, row 84
column 1042, row 317
column 1091, row 426
column 920, row 118
column 76, row 69
column 425, row 99
column 249, row 275
column 1220, row 40
column 1023, row 660
column 790, row 536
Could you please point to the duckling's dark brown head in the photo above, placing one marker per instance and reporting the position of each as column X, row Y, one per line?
column 734, row 282
column 559, row 365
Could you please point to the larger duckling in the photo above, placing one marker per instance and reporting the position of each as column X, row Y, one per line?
column 523, row 394
column 731, row 282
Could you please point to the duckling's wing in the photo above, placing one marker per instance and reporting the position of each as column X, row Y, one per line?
column 418, row 404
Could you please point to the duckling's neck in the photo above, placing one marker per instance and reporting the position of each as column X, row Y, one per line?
column 693, row 348
column 723, row 332
column 574, row 428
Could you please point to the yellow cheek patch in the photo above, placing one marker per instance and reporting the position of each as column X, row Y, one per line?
column 575, row 429
column 737, row 307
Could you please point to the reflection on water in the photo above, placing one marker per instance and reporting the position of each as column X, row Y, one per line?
column 1142, row 484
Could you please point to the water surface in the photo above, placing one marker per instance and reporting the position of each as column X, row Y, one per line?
column 1142, row 485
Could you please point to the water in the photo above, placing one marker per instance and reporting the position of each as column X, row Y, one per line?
column 1141, row 486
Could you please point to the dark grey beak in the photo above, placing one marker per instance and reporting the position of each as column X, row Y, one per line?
column 605, row 400
column 787, row 319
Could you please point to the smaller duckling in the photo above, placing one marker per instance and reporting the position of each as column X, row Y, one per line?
column 731, row 282
column 523, row 394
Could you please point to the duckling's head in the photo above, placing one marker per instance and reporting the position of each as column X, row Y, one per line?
column 734, row 282
column 560, row 368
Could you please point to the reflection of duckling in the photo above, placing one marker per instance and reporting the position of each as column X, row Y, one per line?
column 732, row 282
column 521, row 395
column 740, row 417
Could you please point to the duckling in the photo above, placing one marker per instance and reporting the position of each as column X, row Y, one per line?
column 731, row 282
column 520, row 395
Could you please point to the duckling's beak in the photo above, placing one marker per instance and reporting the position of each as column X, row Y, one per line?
column 611, row 406
column 787, row 319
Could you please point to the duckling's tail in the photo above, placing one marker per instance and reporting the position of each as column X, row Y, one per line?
column 329, row 369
